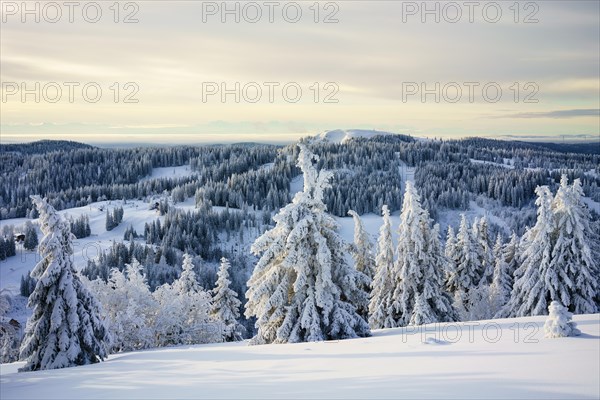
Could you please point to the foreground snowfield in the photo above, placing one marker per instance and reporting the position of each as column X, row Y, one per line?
column 507, row 358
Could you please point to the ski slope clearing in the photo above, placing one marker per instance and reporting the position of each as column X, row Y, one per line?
column 507, row 358
column 182, row 171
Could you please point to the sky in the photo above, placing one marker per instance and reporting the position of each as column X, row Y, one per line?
column 193, row 72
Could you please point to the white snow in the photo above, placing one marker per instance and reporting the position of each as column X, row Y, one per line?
column 170, row 172
column 297, row 184
column 593, row 205
column 507, row 358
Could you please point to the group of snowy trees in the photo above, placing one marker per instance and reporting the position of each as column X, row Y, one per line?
column 8, row 247
column 114, row 218
column 178, row 313
column 73, row 325
column 559, row 257
column 553, row 261
column 80, row 227
column 301, row 279
column 408, row 287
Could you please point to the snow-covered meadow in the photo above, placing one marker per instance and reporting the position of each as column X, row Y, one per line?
column 506, row 358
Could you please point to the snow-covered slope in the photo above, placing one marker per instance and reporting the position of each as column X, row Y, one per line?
column 486, row 359
column 342, row 135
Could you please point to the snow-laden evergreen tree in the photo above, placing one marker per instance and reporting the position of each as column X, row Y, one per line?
column 572, row 276
column 465, row 270
column 183, row 315
column 66, row 327
column 529, row 295
column 485, row 257
column 381, row 314
column 362, row 253
column 502, row 282
column 31, row 237
column 418, row 272
column 187, row 281
column 559, row 323
column 363, row 247
column 302, row 288
column 511, row 253
column 226, row 305
column 450, row 249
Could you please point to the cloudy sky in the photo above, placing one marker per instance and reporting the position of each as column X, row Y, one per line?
column 487, row 69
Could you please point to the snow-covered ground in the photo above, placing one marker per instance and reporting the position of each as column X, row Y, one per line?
column 170, row 172
column 486, row 359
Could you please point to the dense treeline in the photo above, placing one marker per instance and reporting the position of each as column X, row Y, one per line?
column 77, row 177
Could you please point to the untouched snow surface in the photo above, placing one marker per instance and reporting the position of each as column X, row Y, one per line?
column 507, row 358
column 170, row 172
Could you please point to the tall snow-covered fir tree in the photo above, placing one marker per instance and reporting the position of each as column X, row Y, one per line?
column 511, row 253
column 529, row 293
column 66, row 328
column 363, row 248
column 450, row 249
column 303, row 288
column 418, row 272
column 572, row 276
column 483, row 248
column 362, row 253
column 465, row 271
column 187, row 281
column 226, row 305
column 502, row 281
column 381, row 314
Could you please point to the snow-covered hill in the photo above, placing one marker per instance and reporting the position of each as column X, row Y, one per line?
column 486, row 359
column 343, row 135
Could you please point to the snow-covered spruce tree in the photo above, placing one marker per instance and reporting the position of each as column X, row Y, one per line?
column 66, row 328
column 481, row 240
column 363, row 248
column 381, row 314
column 559, row 322
column 450, row 249
column 512, row 254
column 502, row 282
column 31, row 238
column 226, row 305
column 418, row 272
column 529, row 295
column 302, row 288
column 571, row 277
column 362, row 253
column 465, row 272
